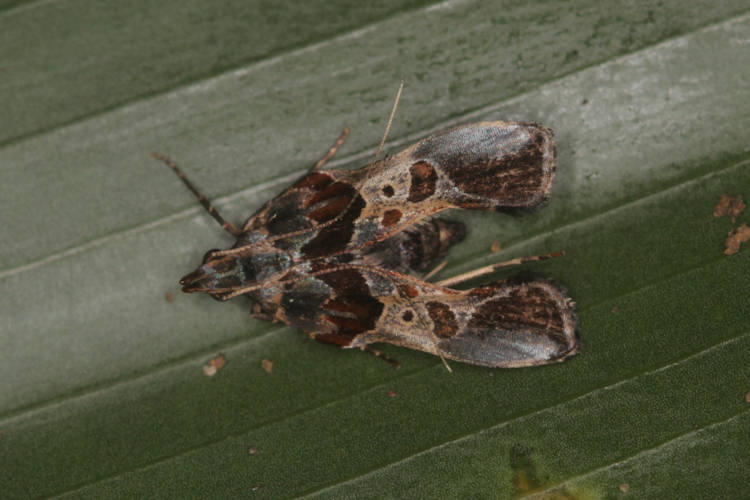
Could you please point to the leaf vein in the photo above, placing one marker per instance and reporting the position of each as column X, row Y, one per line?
column 459, row 439
column 520, row 418
column 648, row 451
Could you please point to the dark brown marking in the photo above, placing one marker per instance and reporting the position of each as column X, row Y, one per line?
column 353, row 310
column 283, row 216
column 391, row 217
column 314, row 180
column 523, row 307
column 407, row 316
column 348, row 326
column 334, row 238
column 407, row 291
column 347, row 308
column 216, row 273
column 335, row 190
column 423, row 181
column 443, row 318
column 346, row 282
column 329, row 209
column 388, row 191
column 509, row 178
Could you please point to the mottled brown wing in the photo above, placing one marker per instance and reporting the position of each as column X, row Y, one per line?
column 334, row 307
column 487, row 165
column 506, row 324
column 498, row 165
column 316, row 199
column 512, row 324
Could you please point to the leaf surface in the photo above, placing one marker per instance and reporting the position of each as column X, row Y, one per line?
column 102, row 391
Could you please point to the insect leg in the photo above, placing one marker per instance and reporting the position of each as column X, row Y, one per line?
column 381, row 355
column 494, row 267
column 331, row 151
column 228, row 226
column 435, row 270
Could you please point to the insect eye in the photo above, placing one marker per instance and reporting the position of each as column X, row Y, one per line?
column 407, row 316
column 207, row 255
column 388, row 191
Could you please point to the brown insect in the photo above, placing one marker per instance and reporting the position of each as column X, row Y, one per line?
column 337, row 254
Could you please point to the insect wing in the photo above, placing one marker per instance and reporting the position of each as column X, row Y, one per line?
column 507, row 324
column 498, row 165
column 510, row 323
column 487, row 165
column 316, row 199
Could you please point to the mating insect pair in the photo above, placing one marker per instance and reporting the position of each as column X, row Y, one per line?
column 335, row 255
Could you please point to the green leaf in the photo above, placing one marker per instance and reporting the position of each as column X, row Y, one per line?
column 102, row 391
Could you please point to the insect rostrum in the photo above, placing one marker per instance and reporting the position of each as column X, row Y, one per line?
column 336, row 254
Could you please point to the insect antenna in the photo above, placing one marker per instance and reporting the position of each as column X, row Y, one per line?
column 390, row 121
column 228, row 226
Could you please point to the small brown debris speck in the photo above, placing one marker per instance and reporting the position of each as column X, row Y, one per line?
column 214, row 365
column 391, row 394
column 624, row 487
column 252, row 450
column 730, row 206
column 736, row 237
column 169, row 297
column 615, row 310
column 267, row 365
column 747, row 397
column 495, row 247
